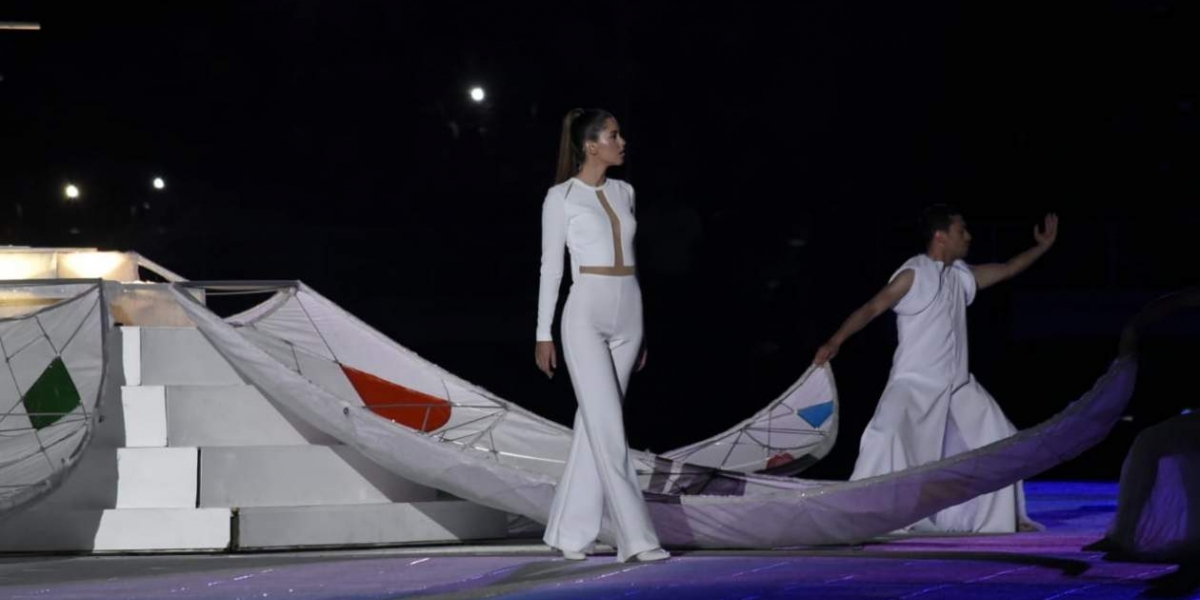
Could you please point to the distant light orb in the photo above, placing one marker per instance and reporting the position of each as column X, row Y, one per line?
column 159, row 183
column 71, row 191
column 477, row 94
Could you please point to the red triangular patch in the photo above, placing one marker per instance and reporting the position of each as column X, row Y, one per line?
column 782, row 458
column 408, row 407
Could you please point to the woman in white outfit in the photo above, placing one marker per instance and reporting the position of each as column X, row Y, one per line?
column 592, row 216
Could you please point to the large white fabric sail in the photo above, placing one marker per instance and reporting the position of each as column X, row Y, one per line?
column 52, row 336
column 509, row 461
column 331, row 348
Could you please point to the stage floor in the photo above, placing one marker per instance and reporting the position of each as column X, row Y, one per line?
column 1045, row 565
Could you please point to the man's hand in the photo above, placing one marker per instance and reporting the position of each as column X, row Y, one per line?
column 1046, row 235
column 826, row 353
column 990, row 274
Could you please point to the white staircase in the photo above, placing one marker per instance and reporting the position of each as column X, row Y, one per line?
column 194, row 459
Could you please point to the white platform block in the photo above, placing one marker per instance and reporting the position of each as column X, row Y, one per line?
column 157, row 477
column 370, row 524
column 131, row 354
column 299, row 476
column 145, row 409
column 182, row 356
column 175, row 529
column 236, row 415
column 125, row 530
column 191, row 529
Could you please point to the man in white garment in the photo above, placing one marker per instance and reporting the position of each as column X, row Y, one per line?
column 932, row 406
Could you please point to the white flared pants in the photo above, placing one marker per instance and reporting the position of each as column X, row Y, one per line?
column 601, row 336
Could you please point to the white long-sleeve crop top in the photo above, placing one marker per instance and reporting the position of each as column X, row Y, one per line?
column 596, row 225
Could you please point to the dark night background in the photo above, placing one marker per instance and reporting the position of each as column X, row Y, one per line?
column 780, row 153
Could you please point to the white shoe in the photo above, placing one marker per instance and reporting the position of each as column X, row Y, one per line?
column 571, row 555
column 652, row 555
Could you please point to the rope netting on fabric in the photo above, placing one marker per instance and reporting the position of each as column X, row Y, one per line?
column 787, row 436
column 331, row 348
column 52, row 337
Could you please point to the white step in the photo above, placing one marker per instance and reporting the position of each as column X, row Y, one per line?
column 182, row 356
column 369, row 524
column 299, row 476
column 48, row 529
column 131, row 354
column 145, row 408
column 233, row 415
column 157, row 477
column 165, row 529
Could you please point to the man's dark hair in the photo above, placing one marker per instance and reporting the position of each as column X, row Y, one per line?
column 935, row 218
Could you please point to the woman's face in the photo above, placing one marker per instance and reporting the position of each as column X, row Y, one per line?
column 609, row 149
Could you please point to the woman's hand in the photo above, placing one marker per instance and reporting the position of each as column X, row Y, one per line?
column 546, row 358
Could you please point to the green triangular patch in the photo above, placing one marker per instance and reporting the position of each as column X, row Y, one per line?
column 52, row 396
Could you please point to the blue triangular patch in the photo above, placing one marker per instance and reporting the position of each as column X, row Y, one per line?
column 816, row 415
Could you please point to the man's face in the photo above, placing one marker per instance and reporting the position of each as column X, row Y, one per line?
column 957, row 239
